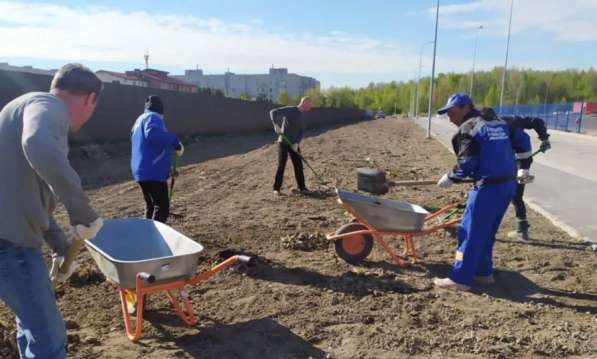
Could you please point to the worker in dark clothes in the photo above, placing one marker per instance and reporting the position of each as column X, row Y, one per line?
column 151, row 152
column 523, row 161
column 288, row 124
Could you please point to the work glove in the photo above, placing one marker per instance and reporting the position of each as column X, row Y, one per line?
column 524, row 177
column 295, row 147
column 56, row 275
column 278, row 129
column 545, row 145
column 445, row 182
column 179, row 149
column 90, row 231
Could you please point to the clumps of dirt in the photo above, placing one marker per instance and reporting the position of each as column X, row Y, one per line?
column 86, row 276
column 306, row 242
column 8, row 345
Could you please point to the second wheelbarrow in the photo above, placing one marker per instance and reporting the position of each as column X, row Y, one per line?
column 375, row 218
column 142, row 256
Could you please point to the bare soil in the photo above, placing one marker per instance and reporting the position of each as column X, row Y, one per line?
column 301, row 300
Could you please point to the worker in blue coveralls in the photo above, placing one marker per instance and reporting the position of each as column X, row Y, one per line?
column 524, row 160
column 484, row 153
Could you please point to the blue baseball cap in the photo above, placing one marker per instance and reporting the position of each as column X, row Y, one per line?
column 457, row 99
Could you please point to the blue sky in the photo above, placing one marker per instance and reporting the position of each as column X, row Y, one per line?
column 340, row 43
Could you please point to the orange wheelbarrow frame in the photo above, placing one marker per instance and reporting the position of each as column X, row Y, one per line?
column 409, row 251
column 144, row 286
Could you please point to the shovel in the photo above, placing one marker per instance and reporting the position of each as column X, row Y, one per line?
column 317, row 176
column 172, row 181
column 421, row 183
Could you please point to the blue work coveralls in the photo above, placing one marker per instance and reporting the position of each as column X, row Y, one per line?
column 485, row 153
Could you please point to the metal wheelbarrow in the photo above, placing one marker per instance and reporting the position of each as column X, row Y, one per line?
column 374, row 218
column 142, row 256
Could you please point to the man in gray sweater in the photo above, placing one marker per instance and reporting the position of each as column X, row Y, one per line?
column 35, row 173
column 288, row 124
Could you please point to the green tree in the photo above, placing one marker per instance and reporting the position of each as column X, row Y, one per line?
column 283, row 98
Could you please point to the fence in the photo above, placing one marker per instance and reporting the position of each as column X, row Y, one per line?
column 185, row 113
column 558, row 116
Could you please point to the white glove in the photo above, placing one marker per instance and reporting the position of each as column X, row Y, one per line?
column 295, row 147
column 180, row 149
column 445, row 182
column 88, row 232
column 56, row 275
column 277, row 130
column 523, row 176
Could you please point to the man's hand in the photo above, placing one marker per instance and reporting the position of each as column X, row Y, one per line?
column 277, row 129
column 90, row 231
column 545, row 145
column 524, row 177
column 445, row 182
column 179, row 149
column 56, row 275
column 295, row 147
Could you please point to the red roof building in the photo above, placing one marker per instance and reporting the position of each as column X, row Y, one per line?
column 160, row 80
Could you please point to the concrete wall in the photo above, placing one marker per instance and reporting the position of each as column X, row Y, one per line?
column 185, row 114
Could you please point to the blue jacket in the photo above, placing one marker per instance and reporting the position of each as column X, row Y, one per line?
column 485, row 148
column 151, row 148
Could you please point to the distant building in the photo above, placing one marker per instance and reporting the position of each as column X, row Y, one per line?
column 28, row 69
column 160, row 80
column 253, row 86
column 151, row 78
column 120, row 78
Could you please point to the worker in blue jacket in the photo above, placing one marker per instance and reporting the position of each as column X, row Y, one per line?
column 151, row 152
column 524, row 160
column 484, row 153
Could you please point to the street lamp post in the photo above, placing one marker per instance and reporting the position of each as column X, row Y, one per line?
column 547, row 84
column 470, row 91
column 432, row 74
column 419, row 78
column 506, row 61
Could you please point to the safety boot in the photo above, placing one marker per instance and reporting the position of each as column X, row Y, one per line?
column 522, row 232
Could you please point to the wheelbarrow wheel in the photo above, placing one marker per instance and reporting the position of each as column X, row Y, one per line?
column 354, row 248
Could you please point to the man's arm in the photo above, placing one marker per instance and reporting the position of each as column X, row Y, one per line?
column 44, row 145
column 521, row 142
column 528, row 123
column 467, row 157
column 156, row 134
column 56, row 239
column 277, row 115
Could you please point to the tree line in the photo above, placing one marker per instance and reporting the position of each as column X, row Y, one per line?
column 523, row 86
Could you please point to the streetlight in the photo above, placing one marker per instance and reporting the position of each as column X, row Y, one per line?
column 419, row 78
column 547, row 84
column 506, row 63
column 470, row 92
column 432, row 74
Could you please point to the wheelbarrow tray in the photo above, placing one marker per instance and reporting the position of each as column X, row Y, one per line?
column 125, row 247
column 384, row 215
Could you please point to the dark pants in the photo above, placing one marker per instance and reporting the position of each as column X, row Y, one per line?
column 157, row 206
column 283, row 151
column 518, row 202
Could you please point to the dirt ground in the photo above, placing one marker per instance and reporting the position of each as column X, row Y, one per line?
column 303, row 301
